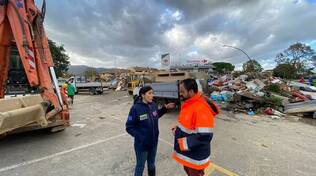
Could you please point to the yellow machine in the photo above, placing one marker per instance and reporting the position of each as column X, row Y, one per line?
column 132, row 85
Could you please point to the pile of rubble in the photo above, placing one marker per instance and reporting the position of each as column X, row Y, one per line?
column 115, row 81
column 122, row 82
column 119, row 83
column 270, row 95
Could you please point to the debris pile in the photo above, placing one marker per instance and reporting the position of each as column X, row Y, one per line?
column 115, row 81
column 122, row 82
column 269, row 95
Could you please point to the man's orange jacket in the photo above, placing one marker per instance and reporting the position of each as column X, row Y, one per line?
column 192, row 145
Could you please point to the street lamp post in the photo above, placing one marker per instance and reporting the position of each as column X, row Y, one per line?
column 239, row 50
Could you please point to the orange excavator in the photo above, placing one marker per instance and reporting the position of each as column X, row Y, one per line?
column 22, row 32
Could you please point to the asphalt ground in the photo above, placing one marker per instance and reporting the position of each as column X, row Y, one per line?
column 97, row 144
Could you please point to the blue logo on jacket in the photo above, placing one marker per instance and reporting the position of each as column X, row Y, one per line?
column 155, row 114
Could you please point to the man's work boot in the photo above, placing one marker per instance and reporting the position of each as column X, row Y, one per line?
column 152, row 172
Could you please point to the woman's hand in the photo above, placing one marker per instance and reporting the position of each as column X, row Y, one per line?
column 170, row 106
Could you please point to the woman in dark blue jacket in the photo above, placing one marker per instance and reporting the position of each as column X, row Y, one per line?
column 142, row 124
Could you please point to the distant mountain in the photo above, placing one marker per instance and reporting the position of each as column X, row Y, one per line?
column 80, row 69
column 77, row 69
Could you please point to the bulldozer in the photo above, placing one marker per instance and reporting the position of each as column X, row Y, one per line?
column 27, row 72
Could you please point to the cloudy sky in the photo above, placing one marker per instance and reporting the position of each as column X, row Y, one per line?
column 123, row 33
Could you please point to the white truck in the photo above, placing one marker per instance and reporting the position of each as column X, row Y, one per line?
column 166, row 92
column 81, row 84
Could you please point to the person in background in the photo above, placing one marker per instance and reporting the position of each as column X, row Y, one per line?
column 64, row 94
column 142, row 124
column 71, row 93
column 310, row 80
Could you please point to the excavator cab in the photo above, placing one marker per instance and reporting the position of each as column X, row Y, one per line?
column 17, row 83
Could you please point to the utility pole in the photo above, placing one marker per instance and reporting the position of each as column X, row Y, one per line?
column 239, row 50
column 115, row 65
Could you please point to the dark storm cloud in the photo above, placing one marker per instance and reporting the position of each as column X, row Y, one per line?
column 135, row 32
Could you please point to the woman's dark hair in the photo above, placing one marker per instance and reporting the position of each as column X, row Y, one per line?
column 144, row 90
column 190, row 84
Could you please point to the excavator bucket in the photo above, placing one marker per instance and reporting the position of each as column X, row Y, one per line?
column 22, row 111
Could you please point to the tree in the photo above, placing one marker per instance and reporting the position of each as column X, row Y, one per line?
column 60, row 58
column 223, row 67
column 285, row 71
column 298, row 55
column 252, row 66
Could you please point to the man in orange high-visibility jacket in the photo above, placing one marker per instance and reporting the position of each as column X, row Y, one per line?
column 194, row 131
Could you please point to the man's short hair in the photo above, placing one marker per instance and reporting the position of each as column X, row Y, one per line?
column 190, row 84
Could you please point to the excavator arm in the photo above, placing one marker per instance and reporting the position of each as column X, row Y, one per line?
column 21, row 22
